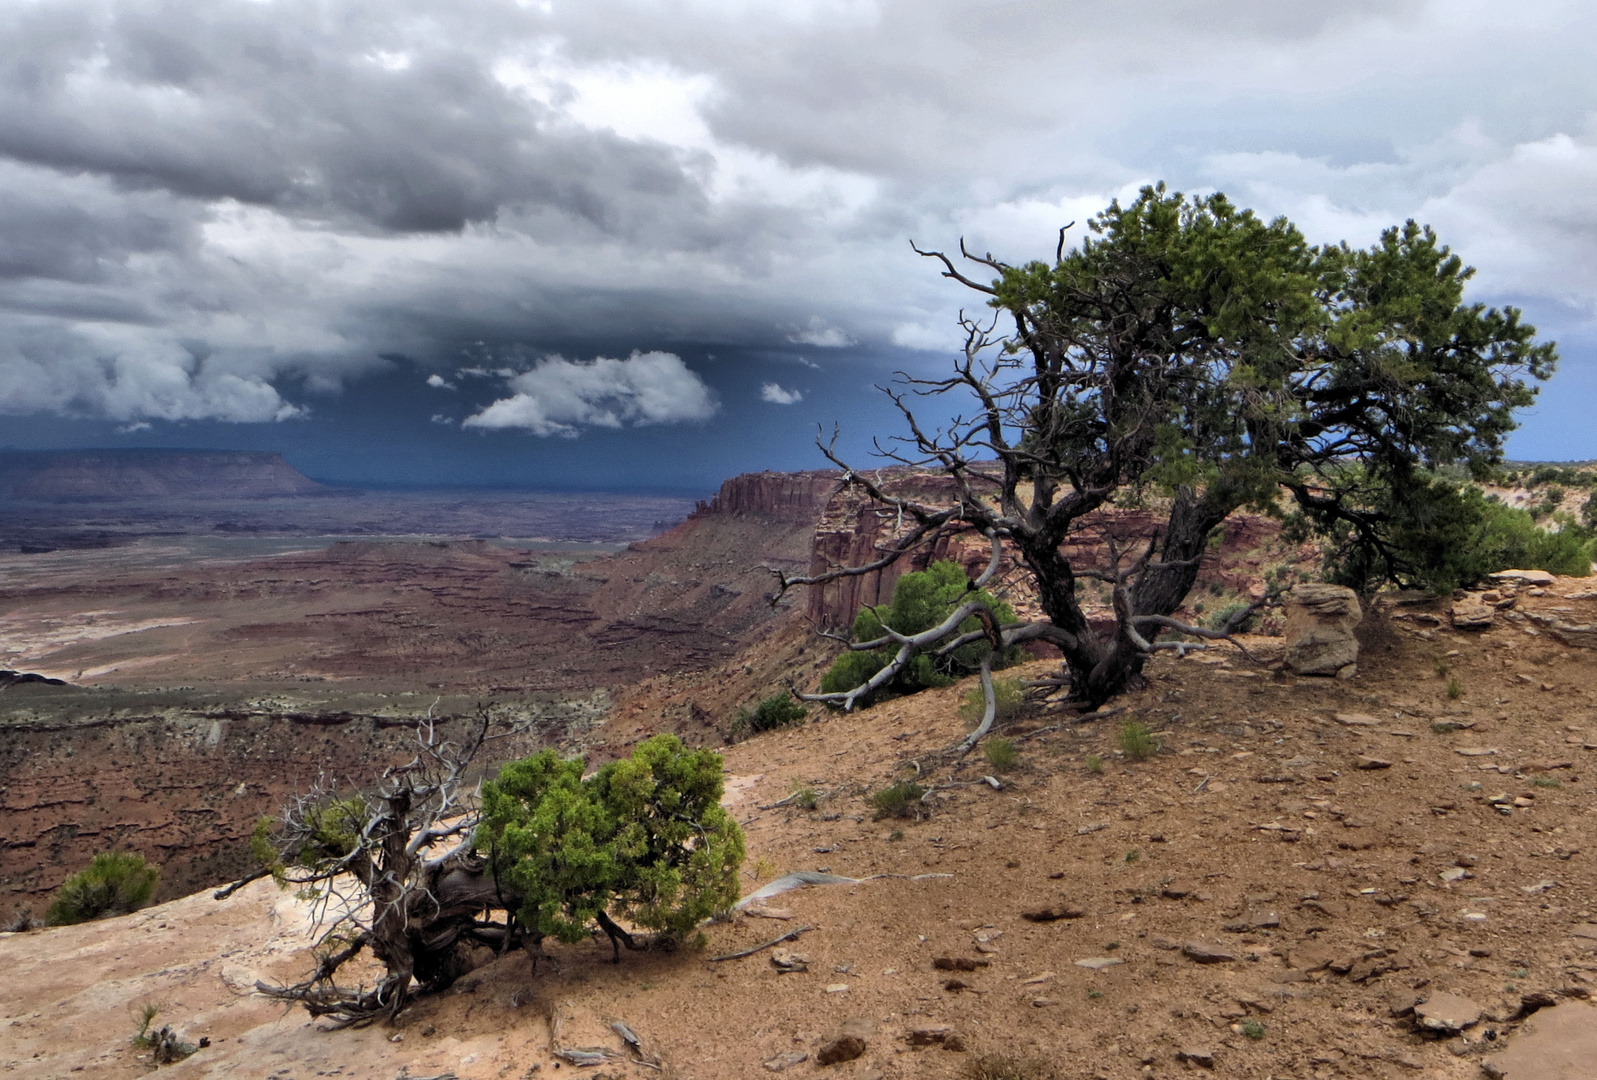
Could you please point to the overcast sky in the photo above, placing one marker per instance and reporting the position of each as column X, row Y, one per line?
column 623, row 242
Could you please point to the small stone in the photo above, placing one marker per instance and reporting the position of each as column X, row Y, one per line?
column 786, row 1061
column 847, row 1042
column 836, row 988
column 1474, row 751
column 1035, row 979
column 789, row 962
column 1454, row 873
column 1044, row 1002
column 1197, row 1055
column 936, row 1034
column 1176, row 890
column 1356, row 719
column 1098, row 963
column 957, row 963
column 1372, row 763
column 1206, row 954
column 1584, row 930
column 1447, row 1012
column 954, row 986
column 1054, row 913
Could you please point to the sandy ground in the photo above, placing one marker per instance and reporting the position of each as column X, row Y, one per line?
column 1329, row 896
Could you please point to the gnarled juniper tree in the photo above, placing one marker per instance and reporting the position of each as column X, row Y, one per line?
column 1202, row 360
column 419, row 870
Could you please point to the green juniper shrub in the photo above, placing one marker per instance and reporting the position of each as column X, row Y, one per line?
column 921, row 600
column 1443, row 536
column 900, row 800
column 114, row 883
column 777, row 711
column 644, row 838
column 1220, row 618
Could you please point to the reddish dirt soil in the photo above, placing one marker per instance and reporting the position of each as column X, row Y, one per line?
column 1328, row 894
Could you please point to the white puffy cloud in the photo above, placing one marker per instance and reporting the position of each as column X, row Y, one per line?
column 438, row 382
column 559, row 396
column 777, row 395
column 819, row 333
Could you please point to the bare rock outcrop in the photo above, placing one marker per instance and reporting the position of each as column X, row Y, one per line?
column 1320, row 620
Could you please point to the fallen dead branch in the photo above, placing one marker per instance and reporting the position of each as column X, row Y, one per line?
column 789, row 936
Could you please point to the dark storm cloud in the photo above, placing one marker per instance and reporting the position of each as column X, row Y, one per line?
column 230, row 209
column 380, row 114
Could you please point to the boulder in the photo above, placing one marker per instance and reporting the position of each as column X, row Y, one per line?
column 1320, row 620
column 1471, row 613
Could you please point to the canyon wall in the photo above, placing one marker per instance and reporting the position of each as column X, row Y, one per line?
column 69, row 475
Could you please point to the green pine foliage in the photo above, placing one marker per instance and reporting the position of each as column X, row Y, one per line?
column 644, row 838
column 1443, row 536
column 921, row 600
column 777, row 711
column 114, row 883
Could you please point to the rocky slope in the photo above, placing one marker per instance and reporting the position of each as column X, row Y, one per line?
column 1382, row 877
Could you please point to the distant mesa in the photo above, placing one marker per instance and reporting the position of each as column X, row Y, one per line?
column 110, row 475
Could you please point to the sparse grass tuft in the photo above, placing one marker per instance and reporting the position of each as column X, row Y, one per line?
column 1003, row 1067
column 1009, row 700
column 1455, row 688
column 1137, row 741
column 902, row 799
column 1095, row 764
column 1253, row 1029
column 763, row 868
column 803, row 796
column 1132, row 856
column 896, row 835
column 1547, row 782
column 1444, row 667
column 1001, row 754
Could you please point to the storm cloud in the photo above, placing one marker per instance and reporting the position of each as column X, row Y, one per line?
column 236, row 210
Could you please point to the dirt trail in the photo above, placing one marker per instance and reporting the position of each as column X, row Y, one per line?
column 1328, row 896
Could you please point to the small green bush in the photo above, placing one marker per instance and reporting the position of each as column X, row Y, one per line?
column 1137, row 741
column 114, row 883
column 921, row 600
column 644, row 838
column 1009, row 701
column 1001, row 754
column 900, row 800
column 1253, row 1029
column 777, row 711
column 1095, row 764
column 1455, row 688
column 1218, row 620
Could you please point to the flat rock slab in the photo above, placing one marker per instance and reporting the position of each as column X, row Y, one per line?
column 1555, row 1044
column 1447, row 1012
column 1355, row 719
column 1207, row 954
column 1098, row 963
